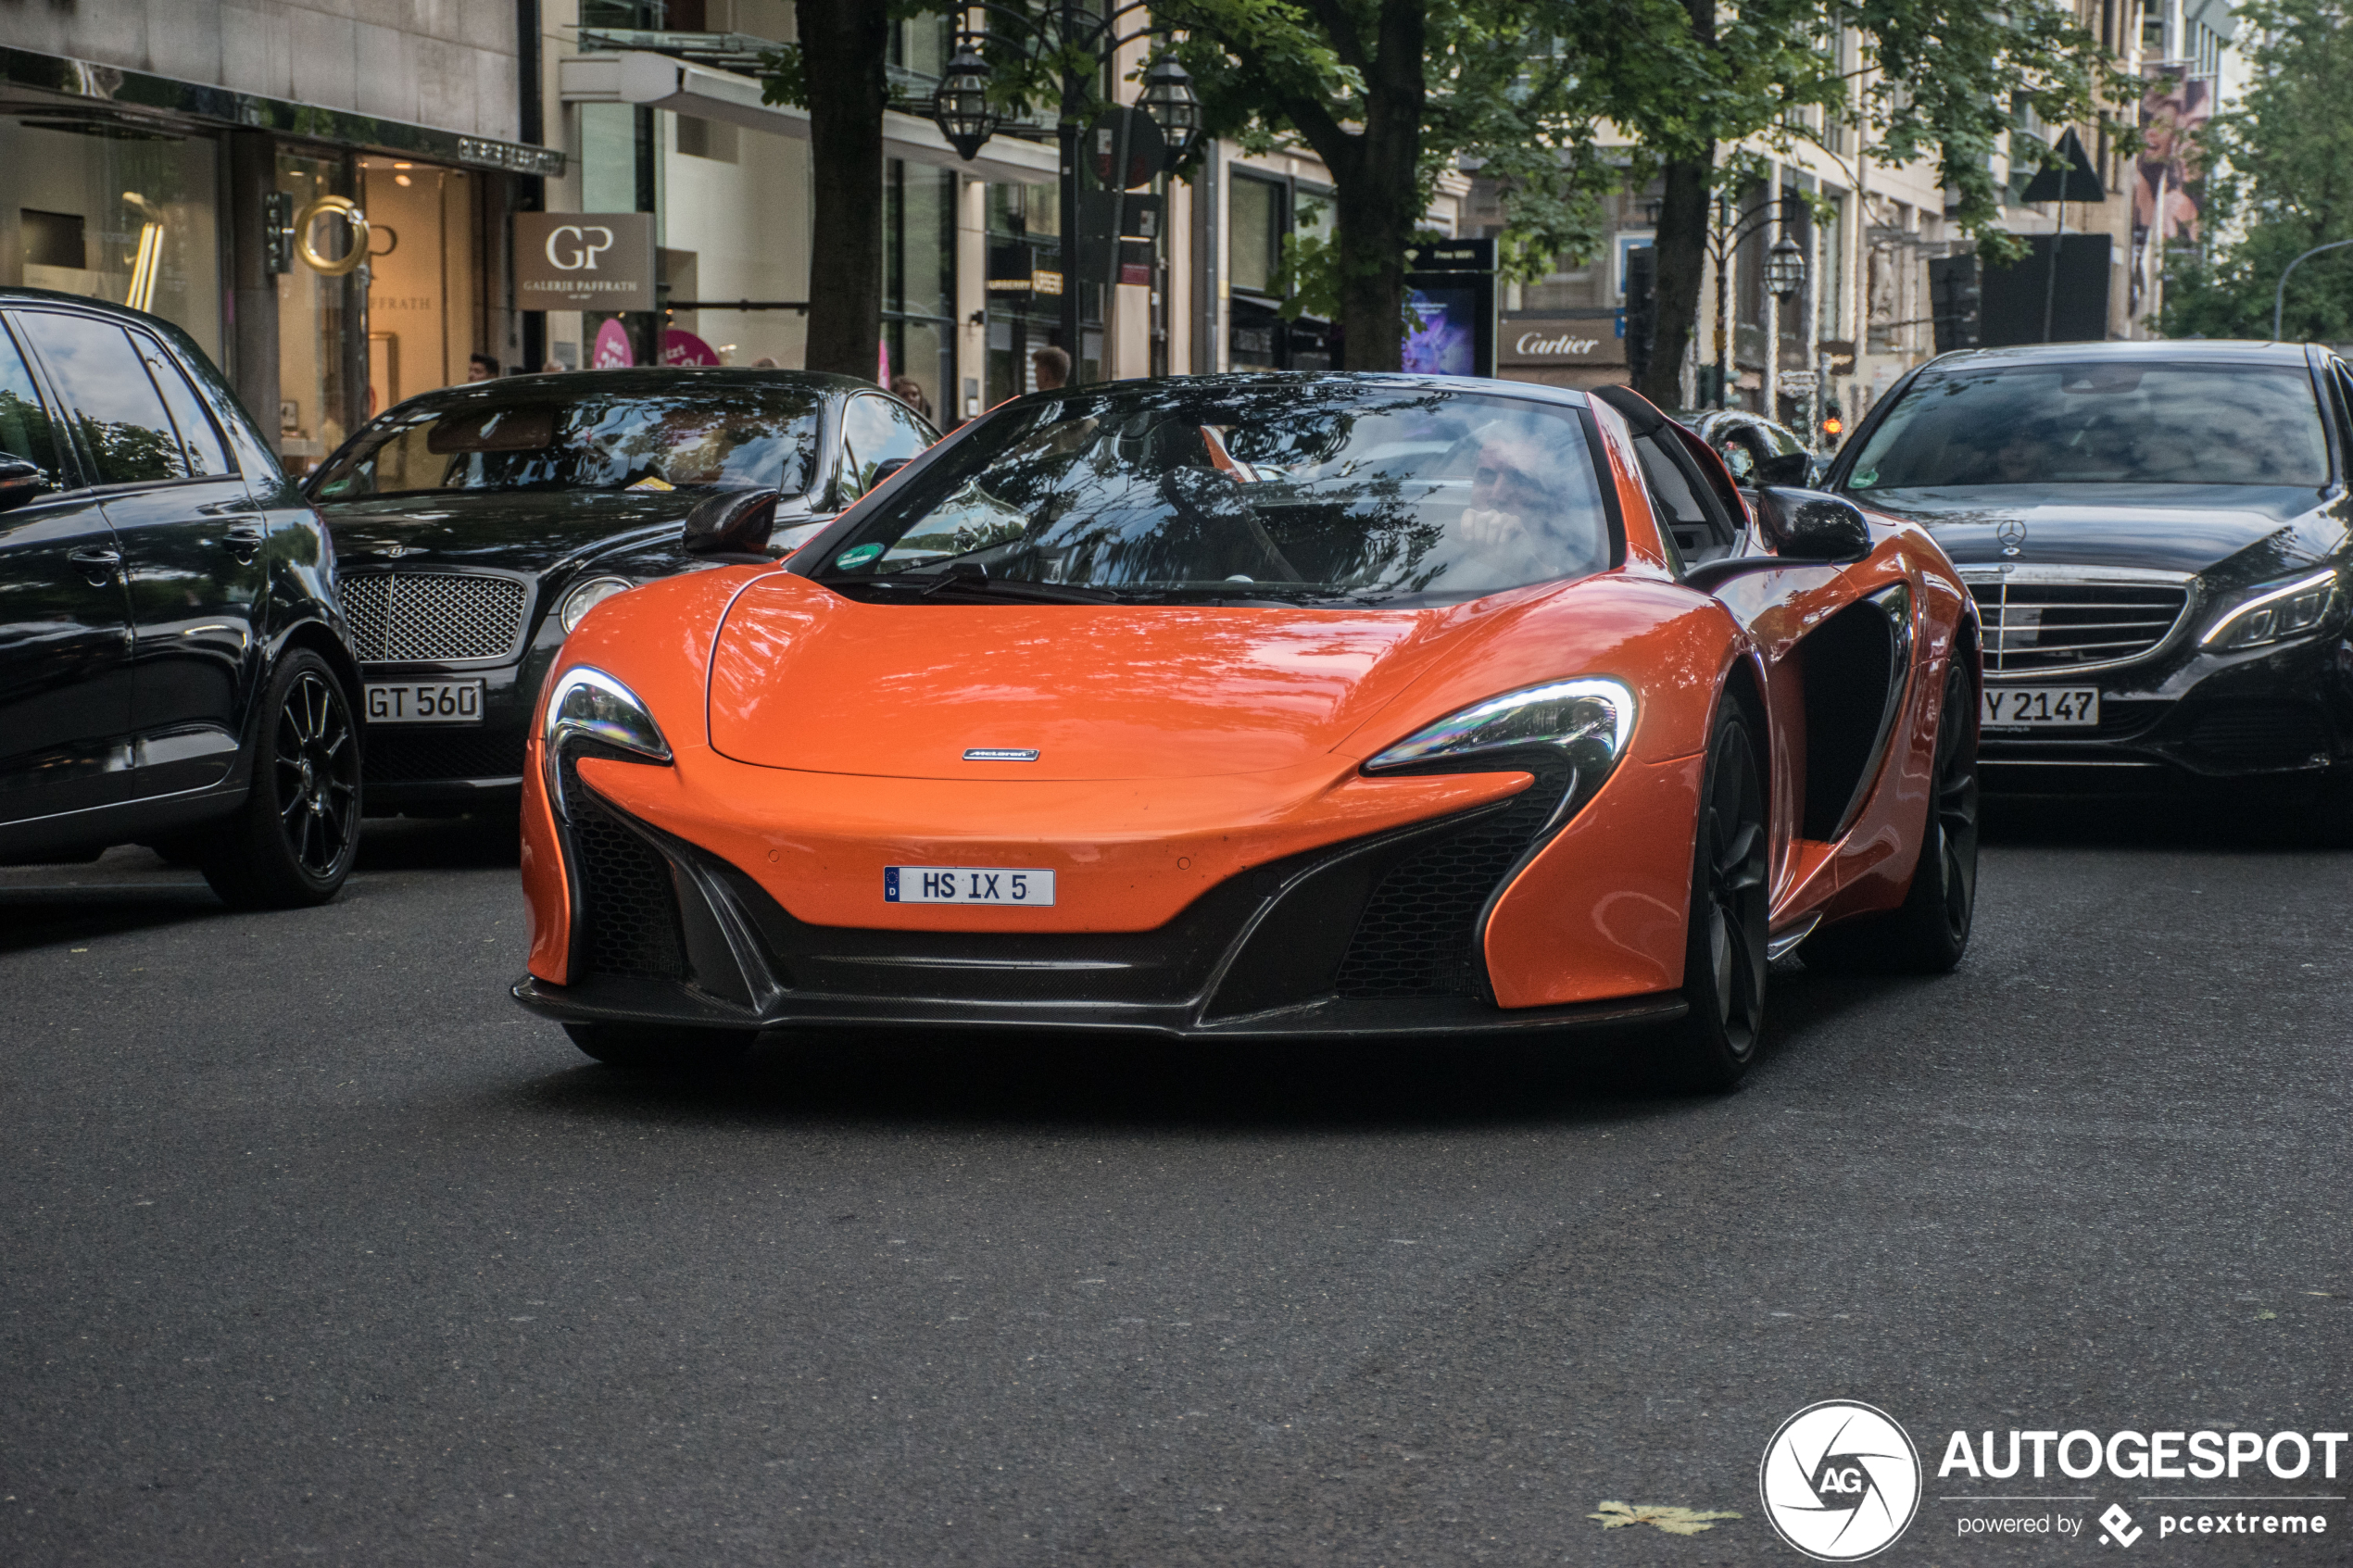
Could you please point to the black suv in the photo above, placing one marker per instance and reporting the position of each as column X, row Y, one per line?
column 173, row 667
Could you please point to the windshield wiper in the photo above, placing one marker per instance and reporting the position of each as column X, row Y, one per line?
column 973, row 580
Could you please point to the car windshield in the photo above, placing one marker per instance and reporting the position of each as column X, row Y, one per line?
column 1305, row 488
column 727, row 438
column 2102, row 421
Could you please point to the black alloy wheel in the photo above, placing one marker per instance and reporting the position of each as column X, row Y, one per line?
column 1929, row 932
column 295, row 839
column 660, row 1051
column 1724, row 949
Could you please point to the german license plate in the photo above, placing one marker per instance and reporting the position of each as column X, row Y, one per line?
column 2042, row 708
column 967, row 885
column 425, row 702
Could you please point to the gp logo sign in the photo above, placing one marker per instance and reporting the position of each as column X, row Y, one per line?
column 585, row 260
column 1839, row 1481
column 573, row 247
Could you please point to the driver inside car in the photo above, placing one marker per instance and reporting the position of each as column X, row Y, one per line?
column 1517, row 522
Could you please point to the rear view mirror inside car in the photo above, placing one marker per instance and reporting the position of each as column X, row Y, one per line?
column 494, row 430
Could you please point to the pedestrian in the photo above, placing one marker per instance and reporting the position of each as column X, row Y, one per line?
column 1050, row 368
column 911, row 391
column 481, row 366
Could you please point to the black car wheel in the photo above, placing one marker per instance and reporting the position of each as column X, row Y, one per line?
column 293, row 842
column 1724, row 949
column 1927, row 933
column 661, row 1050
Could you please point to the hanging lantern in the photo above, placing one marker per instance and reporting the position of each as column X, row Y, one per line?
column 1784, row 268
column 960, row 105
column 1168, row 98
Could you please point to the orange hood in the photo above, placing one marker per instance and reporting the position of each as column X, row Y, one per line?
column 805, row 679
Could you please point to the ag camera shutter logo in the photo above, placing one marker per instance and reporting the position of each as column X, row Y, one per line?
column 1839, row 1481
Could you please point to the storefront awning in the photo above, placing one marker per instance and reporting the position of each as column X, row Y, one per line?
column 75, row 89
column 665, row 81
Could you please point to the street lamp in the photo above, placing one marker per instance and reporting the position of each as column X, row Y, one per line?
column 1785, row 267
column 1169, row 98
column 1062, row 35
column 960, row 105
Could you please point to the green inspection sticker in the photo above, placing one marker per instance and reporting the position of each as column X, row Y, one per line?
column 1868, row 478
column 857, row 555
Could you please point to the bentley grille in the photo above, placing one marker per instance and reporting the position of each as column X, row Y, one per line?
column 398, row 618
column 2056, row 628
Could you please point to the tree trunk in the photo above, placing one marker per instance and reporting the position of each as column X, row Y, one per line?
column 1374, row 185
column 1681, row 256
column 843, row 44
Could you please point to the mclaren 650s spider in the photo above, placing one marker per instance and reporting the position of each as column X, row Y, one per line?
column 1248, row 706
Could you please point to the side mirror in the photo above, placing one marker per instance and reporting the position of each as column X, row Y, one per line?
column 1786, row 467
column 733, row 523
column 1809, row 525
column 19, row 482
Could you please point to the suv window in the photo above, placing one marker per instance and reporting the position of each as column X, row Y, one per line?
column 25, row 429
column 874, row 431
column 128, row 433
column 199, row 438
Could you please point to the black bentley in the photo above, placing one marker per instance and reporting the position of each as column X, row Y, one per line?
column 174, row 670
column 477, row 525
column 2157, row 537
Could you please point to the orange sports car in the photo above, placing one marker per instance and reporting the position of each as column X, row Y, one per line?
column 1254, row 706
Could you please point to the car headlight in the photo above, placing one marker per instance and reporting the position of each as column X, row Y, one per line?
column 2274, row 615
column 1593, row 716
column 587, row 596
column 588, row 705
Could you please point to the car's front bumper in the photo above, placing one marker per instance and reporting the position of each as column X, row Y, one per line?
column 438, row 768
column 2192, row 722
column 1379, row 934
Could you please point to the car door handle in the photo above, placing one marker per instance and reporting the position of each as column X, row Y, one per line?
column 245, row 533
column 96, row 555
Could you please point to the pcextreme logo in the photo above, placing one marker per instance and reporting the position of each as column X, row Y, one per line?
column 1839, row 1481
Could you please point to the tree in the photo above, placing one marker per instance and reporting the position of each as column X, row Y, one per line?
column 2279, row 182
column 1946, row 79
column 834, row 70
column 1389, row 93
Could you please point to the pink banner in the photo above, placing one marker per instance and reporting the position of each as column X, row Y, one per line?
column 611, row 348
column 685, row 349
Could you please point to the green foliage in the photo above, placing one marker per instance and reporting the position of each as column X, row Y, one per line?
column 2279, row 182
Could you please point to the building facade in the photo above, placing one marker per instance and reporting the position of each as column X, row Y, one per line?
column 320, row 199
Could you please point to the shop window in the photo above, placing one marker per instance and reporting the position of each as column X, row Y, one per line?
column 421, row 291
column 919, row 284
column 322, row 363
column 1253, row 234
column 131, row 220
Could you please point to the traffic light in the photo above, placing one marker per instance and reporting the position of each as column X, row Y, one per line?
column 1834, row 423
column 1641, row 309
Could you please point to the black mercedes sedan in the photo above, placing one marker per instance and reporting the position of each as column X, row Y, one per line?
column 477, row 524
column 2158, row 535
column 174, row 668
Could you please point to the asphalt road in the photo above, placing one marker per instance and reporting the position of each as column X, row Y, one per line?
column 317, row 1250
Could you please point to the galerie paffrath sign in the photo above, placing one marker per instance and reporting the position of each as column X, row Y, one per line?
column 584, row 261
column 1529, row 340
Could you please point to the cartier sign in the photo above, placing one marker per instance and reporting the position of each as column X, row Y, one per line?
column 1558, row 340
column 584, row 261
